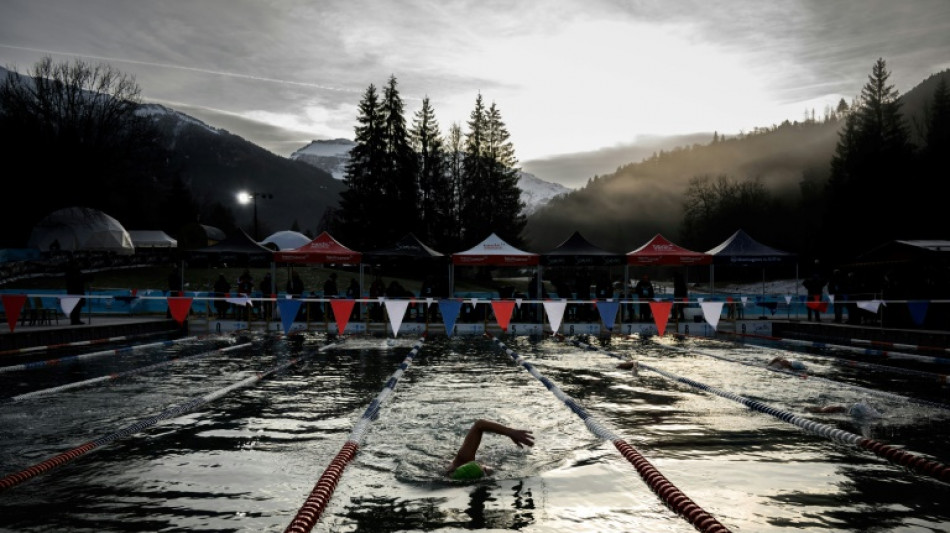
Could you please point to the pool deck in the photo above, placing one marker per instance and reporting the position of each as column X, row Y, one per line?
column 100, row 326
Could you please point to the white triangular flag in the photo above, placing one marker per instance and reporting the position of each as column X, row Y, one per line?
column 788, row 299
column 712, row 311
column 396, row 309
column 68, row 303
column 870, row 305
column 555, row 312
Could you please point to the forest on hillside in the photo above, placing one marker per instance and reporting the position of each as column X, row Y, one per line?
column 830, row 186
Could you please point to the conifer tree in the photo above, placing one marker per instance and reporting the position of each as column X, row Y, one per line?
column 365, row 197
column 455, row 160
column 475, row 186
column 401, row 173
column 434, row 187
column 506, row 206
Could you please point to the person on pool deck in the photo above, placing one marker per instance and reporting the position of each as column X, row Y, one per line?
column 781, row 362
column 464, row 466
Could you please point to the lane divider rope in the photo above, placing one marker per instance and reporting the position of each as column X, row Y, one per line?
column 14, row 479
column 806, row 375
column 92, row 355
column 891, row 453
column 316, row 503
column 118, row 375
column 939, row 378
column 658, row 483
column 48, row 347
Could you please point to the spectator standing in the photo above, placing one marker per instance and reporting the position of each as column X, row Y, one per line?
column 221, row 290
column 645, row 293
column 75, row 286
column 680, row 294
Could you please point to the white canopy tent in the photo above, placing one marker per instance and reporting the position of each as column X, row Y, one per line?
column 81, row 229
column 152, row 239
column 286, row 240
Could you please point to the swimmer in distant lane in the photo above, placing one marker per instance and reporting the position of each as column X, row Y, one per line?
column 859, row 410
column 781, row 362
column 464, row 466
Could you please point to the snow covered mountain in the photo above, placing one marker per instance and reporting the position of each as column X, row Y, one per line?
column 332, row 155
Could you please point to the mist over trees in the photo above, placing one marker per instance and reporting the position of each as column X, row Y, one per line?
column 830, row 187
column 450, row 193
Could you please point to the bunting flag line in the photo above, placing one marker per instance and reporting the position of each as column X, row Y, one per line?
column 68, row 303
column 712, row 311
column 288, row 309
column 450, row 312
column 341, row 312
column 788, row 299
column 918, row 310
column 13, row 306
column 608, row 312
column 503, row 310
column 870, row 305
column 179, row 307
column 661, row 315
column 396, row 310
column 240, row 300
column 555, row 312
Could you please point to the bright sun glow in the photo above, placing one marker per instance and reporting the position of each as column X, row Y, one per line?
column 244, row 197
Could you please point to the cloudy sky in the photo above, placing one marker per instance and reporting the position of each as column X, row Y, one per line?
column 569, row 76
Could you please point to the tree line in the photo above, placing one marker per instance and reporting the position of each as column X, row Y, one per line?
column 880, row 184
column 451, row 191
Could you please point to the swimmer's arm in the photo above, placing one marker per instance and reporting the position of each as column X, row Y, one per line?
column 473, row 440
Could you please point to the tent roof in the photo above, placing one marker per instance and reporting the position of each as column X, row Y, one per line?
column 494, row 251
column 741, row 249
column 213, row 233
column 578, row 251
column 238, row 247
column 904, row 251
column 323, row 249
column 81, row 228
column 152, row 239
column 408, row 247
column 660, row 251
column 286, row 240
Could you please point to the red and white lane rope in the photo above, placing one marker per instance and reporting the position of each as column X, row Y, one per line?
column 662, row 487
column 14, row 479
column 92, row 355
column 119, row 375
column 900, row 346
column 891, row 453
column 312, row 509
column 48, row 347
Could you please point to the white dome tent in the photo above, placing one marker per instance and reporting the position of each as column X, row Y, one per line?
column 81, row 229
column 286, row 240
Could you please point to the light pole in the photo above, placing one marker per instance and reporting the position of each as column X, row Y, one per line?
column 246, row 197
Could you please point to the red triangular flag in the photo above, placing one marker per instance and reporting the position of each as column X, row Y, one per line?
column 13, row 305
column 815, row 304
column 341, row 311
column 179, row 308
column 503, row 310
column 661, row 314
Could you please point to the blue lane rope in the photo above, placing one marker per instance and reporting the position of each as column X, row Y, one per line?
column 895, row 455
column 110, row 377
column 310, row 512
column 662, row 487
column 92, row 355
column 19, row 477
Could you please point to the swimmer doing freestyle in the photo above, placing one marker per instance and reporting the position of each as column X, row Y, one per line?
column 464, row 466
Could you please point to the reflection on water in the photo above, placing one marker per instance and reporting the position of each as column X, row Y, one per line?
column 247, row 461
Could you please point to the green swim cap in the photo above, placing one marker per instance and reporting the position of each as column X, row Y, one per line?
column 468, row 471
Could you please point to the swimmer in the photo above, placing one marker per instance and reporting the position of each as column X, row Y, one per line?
column 629, row 365
column 858, row 410
column 464, row 466
column 781, row 362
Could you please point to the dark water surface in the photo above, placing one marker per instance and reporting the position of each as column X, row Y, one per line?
column 247, row 461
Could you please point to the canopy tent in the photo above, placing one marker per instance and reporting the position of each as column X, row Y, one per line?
column 905, row 251
column 285, row 240
column 81, row 229
column 742, row 250
column 237, row 249
column 322, row 250
column 152, row 239
column 578, row 251
column 215, row 235
column 660, row 251
column 408, row 248
column 493, row 251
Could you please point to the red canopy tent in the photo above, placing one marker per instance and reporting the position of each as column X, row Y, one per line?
column 322, row 250
column 660, row 251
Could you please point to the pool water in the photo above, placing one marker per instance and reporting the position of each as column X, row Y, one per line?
column 247, row 461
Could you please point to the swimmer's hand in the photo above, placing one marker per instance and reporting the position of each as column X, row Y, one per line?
column 521, row 437
column 626, row 365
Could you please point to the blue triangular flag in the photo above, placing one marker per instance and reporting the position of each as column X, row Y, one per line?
column 608, row 313
column 918, row 310
column 450, row 312
column 288, row 308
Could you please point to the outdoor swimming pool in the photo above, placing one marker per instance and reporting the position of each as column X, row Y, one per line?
column 248, row 460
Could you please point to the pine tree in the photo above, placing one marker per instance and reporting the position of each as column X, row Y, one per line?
column 365, row 197
column 508, row 218
column 455, row 160
column 401, row 175
column 434, row 187
column 475, row 217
